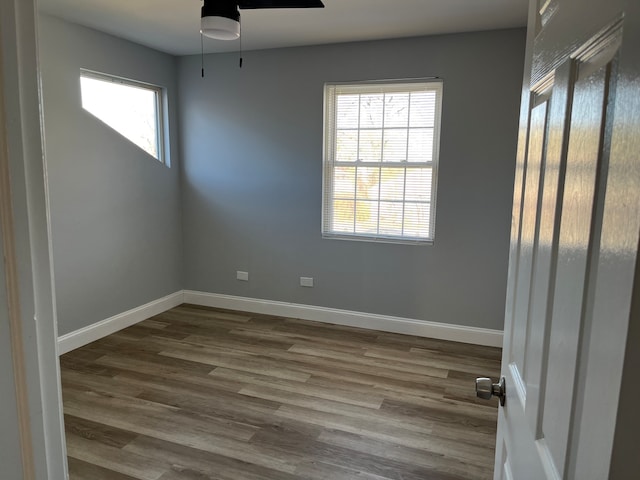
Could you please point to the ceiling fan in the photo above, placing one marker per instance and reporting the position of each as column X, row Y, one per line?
column 220, row 19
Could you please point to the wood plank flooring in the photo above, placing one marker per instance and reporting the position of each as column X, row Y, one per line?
column 200, row 393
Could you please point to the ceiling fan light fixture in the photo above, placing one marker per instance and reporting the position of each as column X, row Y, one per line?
column 220, row 19
column 220, row 28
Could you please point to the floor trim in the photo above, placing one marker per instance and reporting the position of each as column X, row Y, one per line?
column 110, row 325
column 385, row 323
column 372, row 321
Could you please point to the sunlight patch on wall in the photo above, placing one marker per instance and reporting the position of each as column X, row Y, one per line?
column 132, row 109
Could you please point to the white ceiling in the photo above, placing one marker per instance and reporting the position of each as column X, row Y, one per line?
column 173, row 26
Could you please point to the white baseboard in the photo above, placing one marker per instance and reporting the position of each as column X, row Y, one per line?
column 94, row 332
column 385, row 323
column 371, row 321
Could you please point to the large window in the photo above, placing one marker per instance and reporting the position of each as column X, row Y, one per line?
column 380, row 160
column 131, row 108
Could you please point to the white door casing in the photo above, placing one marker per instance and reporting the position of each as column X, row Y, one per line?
column 31, row 380
column 574, row 242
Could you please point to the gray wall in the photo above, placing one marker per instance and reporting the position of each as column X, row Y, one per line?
column 251, row 141
column 115, row 210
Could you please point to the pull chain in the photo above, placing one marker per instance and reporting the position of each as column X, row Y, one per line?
column 202, row 53
column 240, row 25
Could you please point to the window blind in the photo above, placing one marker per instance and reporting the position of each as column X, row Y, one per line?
column 380, row 160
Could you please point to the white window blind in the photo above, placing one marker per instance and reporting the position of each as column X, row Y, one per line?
column 380, row 160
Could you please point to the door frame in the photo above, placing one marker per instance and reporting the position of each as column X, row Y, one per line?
column 25, row 228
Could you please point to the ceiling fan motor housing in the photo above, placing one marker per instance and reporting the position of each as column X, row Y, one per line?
column 226, row 9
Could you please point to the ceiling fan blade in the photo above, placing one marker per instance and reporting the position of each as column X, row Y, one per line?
column 245, row 4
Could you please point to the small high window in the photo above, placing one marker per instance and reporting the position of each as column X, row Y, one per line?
column 380, row 161
column 131, row 108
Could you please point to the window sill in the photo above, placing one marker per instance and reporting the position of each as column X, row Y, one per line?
column 380, row 239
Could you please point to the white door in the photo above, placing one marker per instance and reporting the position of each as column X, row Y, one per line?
column 574, row 241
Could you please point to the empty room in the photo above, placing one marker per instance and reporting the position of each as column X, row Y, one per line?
column 304, row 239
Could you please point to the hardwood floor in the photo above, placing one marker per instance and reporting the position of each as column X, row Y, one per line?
column 199, row 393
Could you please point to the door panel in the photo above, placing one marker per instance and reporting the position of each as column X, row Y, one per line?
column 610, row 315
column 543, row 283
column 527, row 240
column 572, row 262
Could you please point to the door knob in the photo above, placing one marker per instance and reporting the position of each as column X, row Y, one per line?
column 485, row 389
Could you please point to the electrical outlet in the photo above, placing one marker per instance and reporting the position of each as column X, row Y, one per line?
column 244, row 276
column 306, row 281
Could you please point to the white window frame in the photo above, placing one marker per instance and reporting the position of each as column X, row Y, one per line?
column 160, row 105
column 331, row 90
